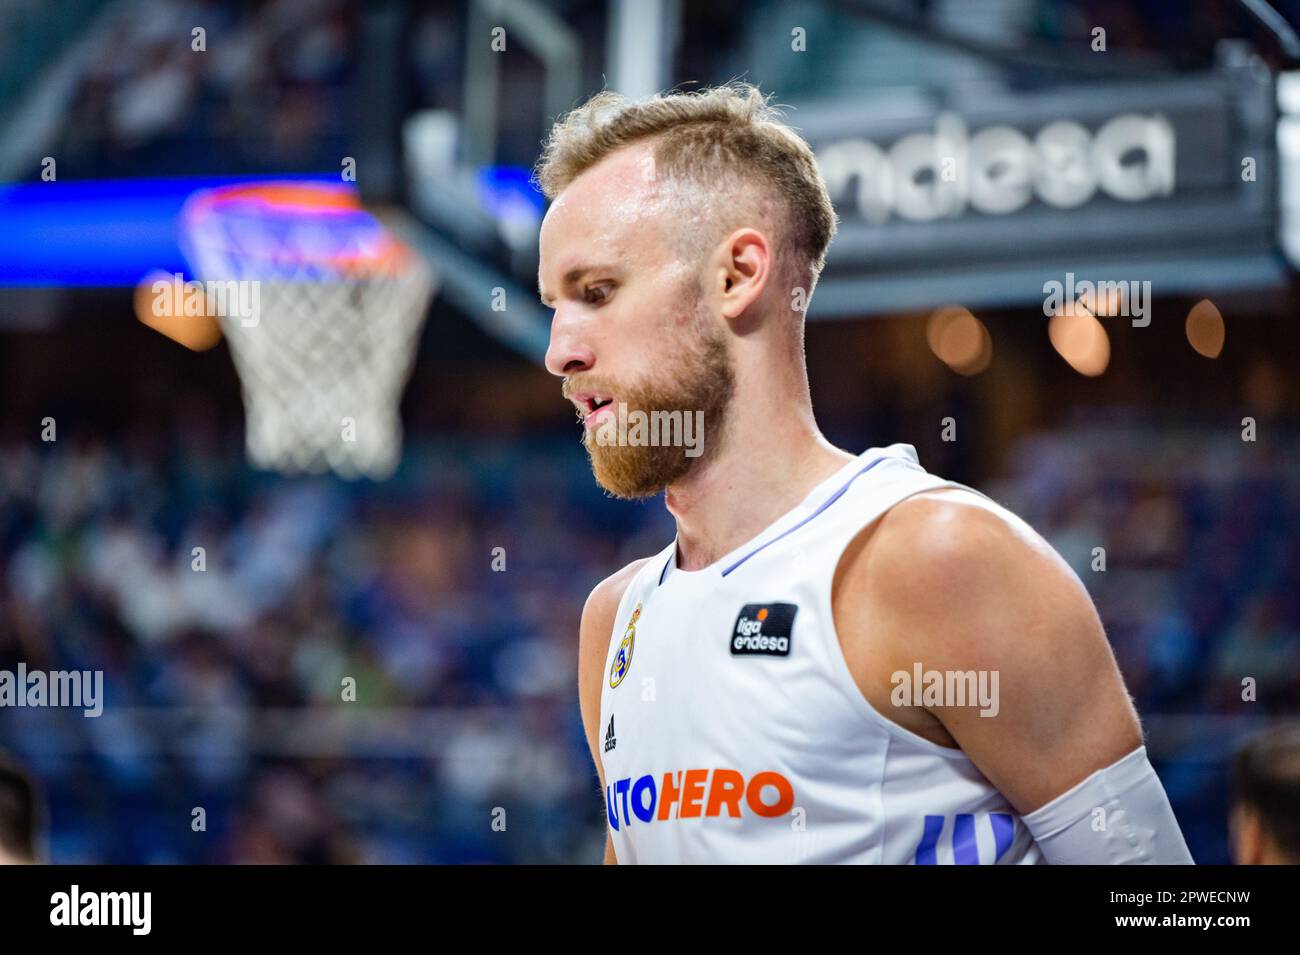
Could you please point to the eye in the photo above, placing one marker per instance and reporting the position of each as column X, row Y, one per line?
column 597, row 294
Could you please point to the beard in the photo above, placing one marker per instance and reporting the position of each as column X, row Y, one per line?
column 699, row 386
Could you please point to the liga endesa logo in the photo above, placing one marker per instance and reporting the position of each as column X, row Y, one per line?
column 696, row 793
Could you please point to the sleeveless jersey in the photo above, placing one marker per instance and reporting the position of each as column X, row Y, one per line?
column 732, row 730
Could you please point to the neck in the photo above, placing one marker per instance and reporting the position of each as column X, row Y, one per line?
column 771, row 456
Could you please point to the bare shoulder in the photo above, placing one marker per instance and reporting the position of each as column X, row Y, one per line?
column 593, row 639
column 942, row 556
column 593, row 644
column 602, row 605
column 910, row 587
column 957, row 583
column 952, row 524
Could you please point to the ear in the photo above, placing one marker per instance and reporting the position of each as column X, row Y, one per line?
column 745, row 269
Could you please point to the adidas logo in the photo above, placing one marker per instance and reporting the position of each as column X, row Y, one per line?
column 610, row 741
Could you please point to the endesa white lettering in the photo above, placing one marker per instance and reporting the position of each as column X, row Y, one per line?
column 749, row 637
column 760, row 642
column 998, row 170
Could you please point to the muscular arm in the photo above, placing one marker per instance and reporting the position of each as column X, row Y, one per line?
column 593, row 646
column 953, row 582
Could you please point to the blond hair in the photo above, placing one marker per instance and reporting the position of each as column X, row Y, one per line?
column 714, row 137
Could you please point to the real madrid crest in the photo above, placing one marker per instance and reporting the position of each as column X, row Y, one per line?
column 623, row 657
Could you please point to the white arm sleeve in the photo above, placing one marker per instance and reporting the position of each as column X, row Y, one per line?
column 1136, row 825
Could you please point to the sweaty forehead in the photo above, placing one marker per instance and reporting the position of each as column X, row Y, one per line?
column 614, row 209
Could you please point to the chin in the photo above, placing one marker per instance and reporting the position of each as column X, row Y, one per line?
column 633, row 474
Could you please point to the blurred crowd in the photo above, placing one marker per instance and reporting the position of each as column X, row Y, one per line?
column 264, row 87
column 231, row 611
column 1190, row 547
column 1189, row 544
column 330, row 672
column 272, row 89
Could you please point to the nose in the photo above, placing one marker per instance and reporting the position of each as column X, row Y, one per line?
column 568, row 351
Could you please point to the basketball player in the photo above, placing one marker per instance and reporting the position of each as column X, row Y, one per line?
column 20, row 814
column 1265, row 820
column 753, row 692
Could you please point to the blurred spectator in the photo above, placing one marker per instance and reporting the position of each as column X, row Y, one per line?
column 19, row 815
column 1266, row 811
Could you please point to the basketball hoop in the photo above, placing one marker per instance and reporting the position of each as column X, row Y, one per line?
column 323, row 310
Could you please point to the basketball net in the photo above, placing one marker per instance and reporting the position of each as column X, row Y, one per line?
column 326, row 351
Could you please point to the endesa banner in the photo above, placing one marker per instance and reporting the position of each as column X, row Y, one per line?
column 981, row 195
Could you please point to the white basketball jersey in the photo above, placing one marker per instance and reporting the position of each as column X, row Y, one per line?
column 733, row 732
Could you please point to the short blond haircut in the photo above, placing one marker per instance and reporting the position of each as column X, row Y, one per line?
column 722, row 138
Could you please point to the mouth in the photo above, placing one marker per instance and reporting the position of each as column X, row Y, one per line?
column 593, row 408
